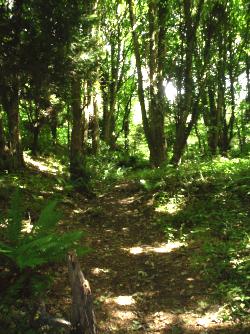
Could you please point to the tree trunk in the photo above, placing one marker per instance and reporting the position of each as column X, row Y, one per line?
column 11, row 107
column 189, row 104
column 2, row 139
column 3, row 148
column 54, row 122
column 35, row 144
column 154, row 125
column 214, row 123
column 95, row 128
column 76, row 154
column 141, row 94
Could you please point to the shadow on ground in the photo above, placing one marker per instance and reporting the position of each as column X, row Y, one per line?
column 141, row 282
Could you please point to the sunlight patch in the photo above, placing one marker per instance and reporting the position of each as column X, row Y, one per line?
column 127, row 200
column 159, row 320
column 168, row 247
column 162, row 248
column 135, row 250
column 78, row 210
column 43, row 166
column 124, row 300
column 99, row 271
column 173, row 206
column 123, row 315
column 121, row 300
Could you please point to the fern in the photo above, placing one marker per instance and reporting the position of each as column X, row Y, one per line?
column 15, row 215
column 48, row 219
column 44, row 244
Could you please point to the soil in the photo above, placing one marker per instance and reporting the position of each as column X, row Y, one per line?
column 141, row 283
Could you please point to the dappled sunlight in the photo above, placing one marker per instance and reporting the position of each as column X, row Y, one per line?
column 123, row 315
column 127, row 200
column 188, row 320
column 161, row 248
column 124, row 300
column 78, row 210
column 160, row 320
column 172, row 205
column 121, row 300
column 43, row 165
column 99, row 271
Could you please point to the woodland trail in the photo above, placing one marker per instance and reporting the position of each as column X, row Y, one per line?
column 141, row 283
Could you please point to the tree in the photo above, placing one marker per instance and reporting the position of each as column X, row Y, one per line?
column 188, row 105
column 10, row 71
column 115, row 65
column 153, row 118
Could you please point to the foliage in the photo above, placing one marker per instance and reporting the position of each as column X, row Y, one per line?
column 28, row 245
column 206, row 204
column 87, row 83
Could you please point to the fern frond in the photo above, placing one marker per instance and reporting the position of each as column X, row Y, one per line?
column 48, row 219
column 15, row 215
column 5, row 249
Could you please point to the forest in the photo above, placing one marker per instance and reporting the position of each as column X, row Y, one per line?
column 124, row 166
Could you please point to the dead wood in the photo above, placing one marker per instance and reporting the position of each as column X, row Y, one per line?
column 82, row 314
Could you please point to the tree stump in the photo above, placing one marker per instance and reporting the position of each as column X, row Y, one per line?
column 82, row 314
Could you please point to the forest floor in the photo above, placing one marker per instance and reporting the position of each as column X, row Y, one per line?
column 141, row 283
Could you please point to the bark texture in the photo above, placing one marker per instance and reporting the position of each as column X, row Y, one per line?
column 82, row 318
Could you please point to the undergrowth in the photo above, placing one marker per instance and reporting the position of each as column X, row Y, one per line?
column 26, row 249
column 207, row 203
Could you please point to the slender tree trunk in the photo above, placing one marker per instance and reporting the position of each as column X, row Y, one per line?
column 2, row 139
column 157, row 18
column 76, row 154
column 141, row 94
column 188, row 104
column 95, row 128
column 35, row 144
column 223, row 126
column 11, row 107
column 214, row 122
column 186, row 101
column 3, row 148
column 54, row 123
column 68, row 128
column 154, row 125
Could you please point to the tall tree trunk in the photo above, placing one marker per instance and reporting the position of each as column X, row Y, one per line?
column 2, row 138
column 157, row 20
column 95, row 128
column 141, row 94
column 54, row 122
column 214, row 122
column 223, row 126
column 154, row 125
column 3, row 148
column 10, row 103
column 188, row 104
column 76, row 152
column 86, row 114
column 35, row 144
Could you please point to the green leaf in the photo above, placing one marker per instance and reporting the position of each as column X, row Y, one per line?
column 15, row 215
column 48, row 219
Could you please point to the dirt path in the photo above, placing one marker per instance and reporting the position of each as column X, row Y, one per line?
column 141, row 283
